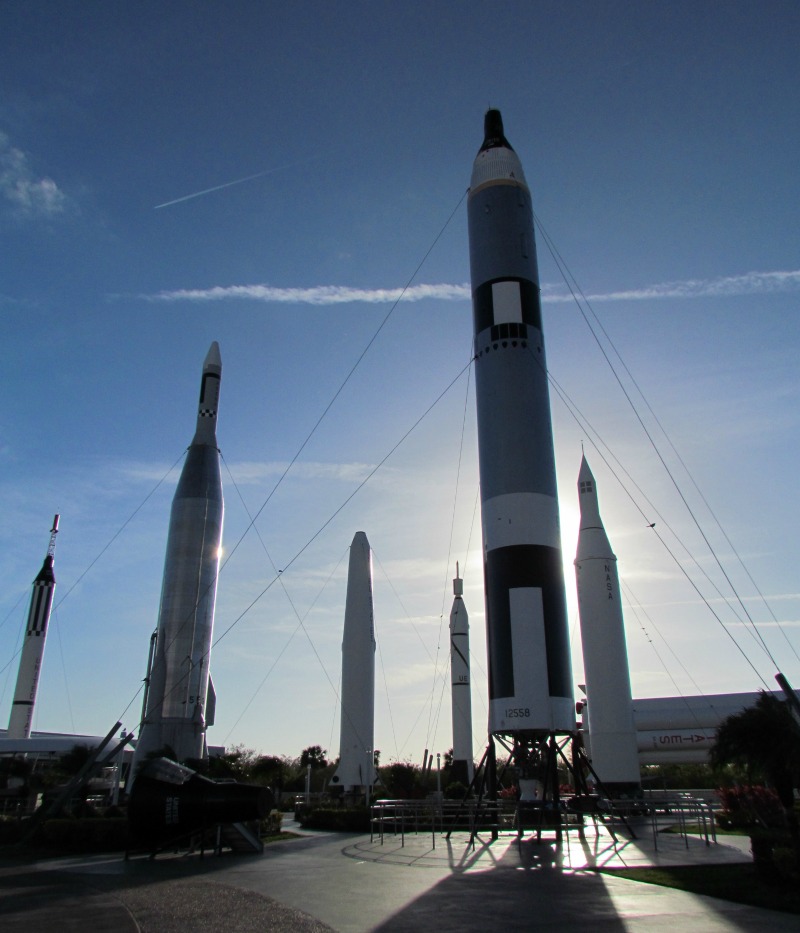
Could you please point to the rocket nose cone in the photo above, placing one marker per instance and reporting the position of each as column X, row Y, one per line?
column 585, row 474
column 213, row 359
column 493, row 137
column 360, row 540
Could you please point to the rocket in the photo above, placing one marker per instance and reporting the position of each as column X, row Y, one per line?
column 530, row 684
column 356, row 770
column 30, row 662
column 613, row 742
column 463, row 765
column 179, row 700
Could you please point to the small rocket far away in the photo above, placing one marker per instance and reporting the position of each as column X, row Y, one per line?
column 461, row 690
column 30, row 662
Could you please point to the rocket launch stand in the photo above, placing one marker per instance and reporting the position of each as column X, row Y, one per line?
column 536, row 757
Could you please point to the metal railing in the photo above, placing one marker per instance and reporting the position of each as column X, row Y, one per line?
column 691, row 816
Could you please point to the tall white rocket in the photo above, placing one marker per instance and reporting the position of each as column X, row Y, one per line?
column 30, row 662
column 613, row 746
column 463, row 765
column 180, row 698
column 356, row 770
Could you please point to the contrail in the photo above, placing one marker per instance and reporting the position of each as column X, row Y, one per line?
column 751, row 283
column 229, row 184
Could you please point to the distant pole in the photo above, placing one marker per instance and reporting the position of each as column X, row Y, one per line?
column 791, row 696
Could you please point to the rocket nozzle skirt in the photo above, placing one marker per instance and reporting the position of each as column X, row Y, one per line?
column 176, row 705
column 530, row 682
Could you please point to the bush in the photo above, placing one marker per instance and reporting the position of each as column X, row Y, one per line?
column 747, row 807
column 786, row 866
column 11, row 831
column 455, row 791
column 89, row 835
column 271, row 824
column 339, row 819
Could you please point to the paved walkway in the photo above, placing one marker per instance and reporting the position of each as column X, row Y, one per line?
column 349, row 884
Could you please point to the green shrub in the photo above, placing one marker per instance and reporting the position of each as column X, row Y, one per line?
column 85, row 835
column 786, row 866
column 455, row 791
column 271, row 824
column 339, row 819
column 11, row 831
column 751, row 806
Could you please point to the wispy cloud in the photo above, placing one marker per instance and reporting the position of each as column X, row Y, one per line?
column 317, row 295
column 19, row 186
column 253, row 472
column 748, row 284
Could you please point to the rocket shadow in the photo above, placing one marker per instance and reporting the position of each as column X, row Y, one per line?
column 524, row 887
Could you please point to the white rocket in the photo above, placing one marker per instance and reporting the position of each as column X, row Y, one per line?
column 356, row 770
column 613, row 743
column 463, row 765
column 180, row 699
column 30, row 662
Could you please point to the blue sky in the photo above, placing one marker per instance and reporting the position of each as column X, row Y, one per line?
column 660, row 142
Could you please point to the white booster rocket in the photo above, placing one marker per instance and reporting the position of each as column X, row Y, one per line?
column 612, row 733
column 179, row 703
column 356, row 770
column 463, row 765
column 530, row 677
column 30, row 662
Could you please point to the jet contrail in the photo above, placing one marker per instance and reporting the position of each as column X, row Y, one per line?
column 229, row 184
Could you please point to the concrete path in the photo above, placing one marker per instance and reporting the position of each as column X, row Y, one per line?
column 350, row 884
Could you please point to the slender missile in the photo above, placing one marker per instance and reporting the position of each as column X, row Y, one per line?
column 463, row 765
column 530, row 684
column 612, row 732
column 176, row 712
column 30, row 662
column 356, row 771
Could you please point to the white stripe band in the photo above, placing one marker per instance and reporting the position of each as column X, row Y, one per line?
column 521, row 518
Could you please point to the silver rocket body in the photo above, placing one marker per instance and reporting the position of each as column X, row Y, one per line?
column 461, row 690
column 530, row 683
column 30, row 663
column 356, row 770
column 177, row 705
column 612, row 745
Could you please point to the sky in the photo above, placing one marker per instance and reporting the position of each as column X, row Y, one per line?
column 271, row 177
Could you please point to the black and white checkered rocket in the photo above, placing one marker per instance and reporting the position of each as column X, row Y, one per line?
column 180, row 698
column 32, row 655
column 530, row 683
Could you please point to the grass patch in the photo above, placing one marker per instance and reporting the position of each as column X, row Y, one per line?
column 279, row 837
column 698, row 830
column 738, row 883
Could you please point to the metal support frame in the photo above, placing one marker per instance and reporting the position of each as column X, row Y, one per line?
column 537, row 757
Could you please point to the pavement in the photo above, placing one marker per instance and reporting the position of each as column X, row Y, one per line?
column 396, row 884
